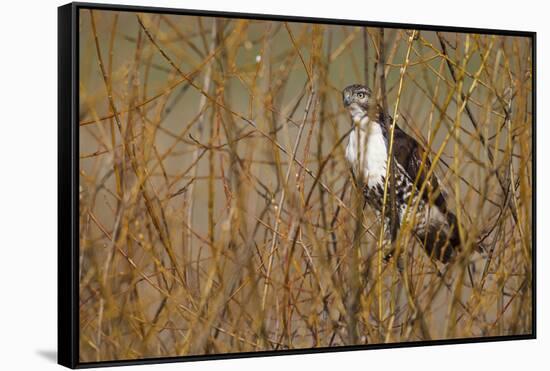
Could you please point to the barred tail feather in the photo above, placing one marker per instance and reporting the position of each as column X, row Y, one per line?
column 443, row 243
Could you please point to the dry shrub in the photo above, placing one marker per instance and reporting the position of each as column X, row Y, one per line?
column 217, row 211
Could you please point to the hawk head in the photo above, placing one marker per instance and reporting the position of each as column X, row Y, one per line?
column 357, row 98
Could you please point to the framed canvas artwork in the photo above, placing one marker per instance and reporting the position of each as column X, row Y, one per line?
column 235, row 185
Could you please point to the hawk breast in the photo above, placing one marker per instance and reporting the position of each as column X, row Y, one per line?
column 366, row 152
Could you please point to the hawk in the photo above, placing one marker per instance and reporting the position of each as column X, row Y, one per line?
column 434, row 225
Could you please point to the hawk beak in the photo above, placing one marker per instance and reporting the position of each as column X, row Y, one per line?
column 347, row 99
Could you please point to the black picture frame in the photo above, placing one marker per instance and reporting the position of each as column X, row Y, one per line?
column 68, row 182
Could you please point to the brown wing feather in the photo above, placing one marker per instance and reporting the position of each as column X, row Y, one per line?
column 409, row 154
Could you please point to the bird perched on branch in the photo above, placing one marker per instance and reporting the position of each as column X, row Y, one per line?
column 434, row 225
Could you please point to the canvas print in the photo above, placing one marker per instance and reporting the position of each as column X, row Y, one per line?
column 256, row 185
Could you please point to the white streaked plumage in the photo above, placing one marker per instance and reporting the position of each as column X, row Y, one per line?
column 369, row 161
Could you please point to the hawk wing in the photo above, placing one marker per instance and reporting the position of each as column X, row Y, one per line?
column 409, row 154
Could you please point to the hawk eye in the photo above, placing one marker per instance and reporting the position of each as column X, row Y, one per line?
column 361, row 95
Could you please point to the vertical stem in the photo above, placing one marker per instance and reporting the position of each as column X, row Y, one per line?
column 200, row 125
column 366, row 57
